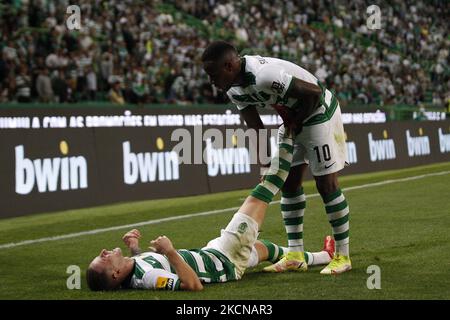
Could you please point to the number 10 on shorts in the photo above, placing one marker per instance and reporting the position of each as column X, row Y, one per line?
column 325, row 150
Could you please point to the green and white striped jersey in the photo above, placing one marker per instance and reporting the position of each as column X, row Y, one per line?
column 153, row 270
column 266, row 82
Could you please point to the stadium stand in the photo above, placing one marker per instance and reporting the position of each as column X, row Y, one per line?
column 149, row 51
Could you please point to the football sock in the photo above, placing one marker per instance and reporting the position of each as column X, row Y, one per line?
column 292, row 209
column 317, row 258
column 338, row 216
column 277, row 173
column 275, row 251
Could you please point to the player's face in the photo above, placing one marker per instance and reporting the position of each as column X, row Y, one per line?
column 110, row 258
column 221, row 74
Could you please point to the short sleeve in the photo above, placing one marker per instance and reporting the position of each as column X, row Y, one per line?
column 274, row 80
column 160, row 279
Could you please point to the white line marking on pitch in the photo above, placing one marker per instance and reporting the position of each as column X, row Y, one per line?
column 205, row 213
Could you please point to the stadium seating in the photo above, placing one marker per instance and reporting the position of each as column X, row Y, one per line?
column 149, row 51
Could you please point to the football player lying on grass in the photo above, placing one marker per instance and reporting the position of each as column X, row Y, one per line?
column 223, row 259
column 167, row 268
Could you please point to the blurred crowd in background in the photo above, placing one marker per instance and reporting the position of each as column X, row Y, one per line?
column 148, row 52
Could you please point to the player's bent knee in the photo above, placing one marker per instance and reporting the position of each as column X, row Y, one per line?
column 327, row 184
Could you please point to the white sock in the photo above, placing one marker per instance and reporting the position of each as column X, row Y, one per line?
column 317, row 258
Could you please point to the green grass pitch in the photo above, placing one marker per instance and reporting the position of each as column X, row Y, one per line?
column 403, row 227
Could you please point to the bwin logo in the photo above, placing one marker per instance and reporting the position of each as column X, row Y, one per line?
column 417, row 146
column 149, row 166
column 351, row 152
column 444, row 141
column 227, row 161
column 70, row 172
column 381, row 149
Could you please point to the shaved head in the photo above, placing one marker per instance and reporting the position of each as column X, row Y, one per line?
column 222, row 63
column 216, row 51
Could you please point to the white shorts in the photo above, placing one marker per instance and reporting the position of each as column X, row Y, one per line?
column 236, row 241
column 321, row 145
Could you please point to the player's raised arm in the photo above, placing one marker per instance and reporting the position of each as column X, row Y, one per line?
column 189, row 279
column 131, row 240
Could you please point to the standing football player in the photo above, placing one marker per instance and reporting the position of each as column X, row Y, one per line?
column 305, row 104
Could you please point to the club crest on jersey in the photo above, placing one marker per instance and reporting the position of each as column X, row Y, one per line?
column 277, row 87
column 242, row 227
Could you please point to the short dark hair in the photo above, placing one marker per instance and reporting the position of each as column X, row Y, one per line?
column 216, row 50
column 97, row 280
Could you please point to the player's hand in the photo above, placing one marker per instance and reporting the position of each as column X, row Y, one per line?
column 291, row 130
column 131, row 238
column 161, row 245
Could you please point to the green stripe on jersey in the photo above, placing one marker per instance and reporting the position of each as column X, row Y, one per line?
column 185, row 254
column 138, row 271
column 211, row 274
column 155, row 263
column 228, row 266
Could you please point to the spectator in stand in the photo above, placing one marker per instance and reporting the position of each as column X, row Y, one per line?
column 44, row 86
column 23, row 85
column 60, row 87
column 91, row 80
column 406, row 61
column 115, row 93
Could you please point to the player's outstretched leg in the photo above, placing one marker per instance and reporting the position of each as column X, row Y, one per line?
column 338, row 215
column 256, row 204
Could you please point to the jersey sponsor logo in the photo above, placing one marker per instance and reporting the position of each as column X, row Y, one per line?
column 277, row 87
column 417, row 146
column 170, row 284
column 50, row 174
column 165, row 283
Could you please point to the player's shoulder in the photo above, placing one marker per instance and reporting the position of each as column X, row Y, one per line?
column 258, row 64
column 264, row 68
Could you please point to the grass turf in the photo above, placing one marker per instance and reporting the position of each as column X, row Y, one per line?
column 401, row 227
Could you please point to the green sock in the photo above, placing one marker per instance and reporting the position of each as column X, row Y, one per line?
column 292, row 210
column 277, row 173
column 275, row 251
column 338, row 215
